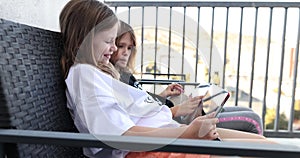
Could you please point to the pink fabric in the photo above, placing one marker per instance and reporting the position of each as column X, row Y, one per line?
column 241, row 118
column 164, row 155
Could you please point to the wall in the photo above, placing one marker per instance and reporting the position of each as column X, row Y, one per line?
column 39, row 13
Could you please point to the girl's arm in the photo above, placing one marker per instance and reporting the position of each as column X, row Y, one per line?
column 203, row 127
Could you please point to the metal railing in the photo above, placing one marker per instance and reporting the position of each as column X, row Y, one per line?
column 141, row 143
column 251, row 47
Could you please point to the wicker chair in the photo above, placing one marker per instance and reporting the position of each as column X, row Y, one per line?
column 32, row 96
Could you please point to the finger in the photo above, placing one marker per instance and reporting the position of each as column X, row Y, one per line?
column 172, row 93
column 208, row 118
column 211, row 115
column 194, row 99
column 172, row 86
column 210, row 122
column 214, row 134
column 177, row 87
column 214, row 127
column 206, row 130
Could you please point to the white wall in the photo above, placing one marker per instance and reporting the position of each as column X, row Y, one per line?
column 39, row 13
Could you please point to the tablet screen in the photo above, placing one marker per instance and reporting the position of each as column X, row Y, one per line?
column 214, row 96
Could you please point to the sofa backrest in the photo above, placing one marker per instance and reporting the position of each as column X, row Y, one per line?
column 32, row 88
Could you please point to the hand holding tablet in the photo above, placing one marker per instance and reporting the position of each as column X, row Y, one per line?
column 214, row 97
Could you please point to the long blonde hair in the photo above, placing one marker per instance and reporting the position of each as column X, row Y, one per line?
column 79, row 21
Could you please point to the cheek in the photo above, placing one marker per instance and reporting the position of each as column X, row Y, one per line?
column 98, row 51
column 129, row 54
column 118, row 56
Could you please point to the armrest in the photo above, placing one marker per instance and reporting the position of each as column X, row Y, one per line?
column 156, row 81
column 166, row 82
column 151, row 143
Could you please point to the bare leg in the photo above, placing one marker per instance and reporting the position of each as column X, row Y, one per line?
column 239, row 136
column 234, row 134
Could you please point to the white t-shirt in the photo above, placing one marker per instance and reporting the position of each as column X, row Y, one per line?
column 102, row 105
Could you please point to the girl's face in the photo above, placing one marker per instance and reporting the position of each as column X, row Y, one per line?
column 125, row 46
column 104, row 44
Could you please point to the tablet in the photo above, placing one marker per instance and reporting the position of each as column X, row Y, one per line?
column 214, row 98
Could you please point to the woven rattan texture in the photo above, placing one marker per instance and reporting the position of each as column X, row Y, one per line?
column 31, row 90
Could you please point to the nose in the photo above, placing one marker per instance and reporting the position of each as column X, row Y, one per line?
column 114, row 47
column 126, row 52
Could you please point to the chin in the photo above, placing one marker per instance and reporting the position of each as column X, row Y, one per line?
column 121, row 65
column 105, row 61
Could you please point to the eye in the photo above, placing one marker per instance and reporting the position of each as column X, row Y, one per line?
column 110, row 41
column 120, row 46
column 130, row 48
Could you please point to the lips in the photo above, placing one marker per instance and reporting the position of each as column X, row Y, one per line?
column 122, row 60
column 107, row 55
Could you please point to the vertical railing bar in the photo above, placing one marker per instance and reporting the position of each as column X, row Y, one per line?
column 253, row 58
column 264, row 110
column 2, row 154
column 211, row 43
column 183, row 40
column 155, row 47
column 276, row 123
column 142, row 41
column 225, row 47
column 197, row 44
column 239, row 59
column 129, row 9
column 116, row 9
column 170, row 42
column 290, row 126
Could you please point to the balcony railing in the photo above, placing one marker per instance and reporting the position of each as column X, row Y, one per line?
column 252, row 48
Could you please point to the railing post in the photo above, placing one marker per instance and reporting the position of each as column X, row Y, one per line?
column 1, row 151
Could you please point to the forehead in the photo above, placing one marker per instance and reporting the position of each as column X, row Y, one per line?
column 126, row 38
column 108, row 33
